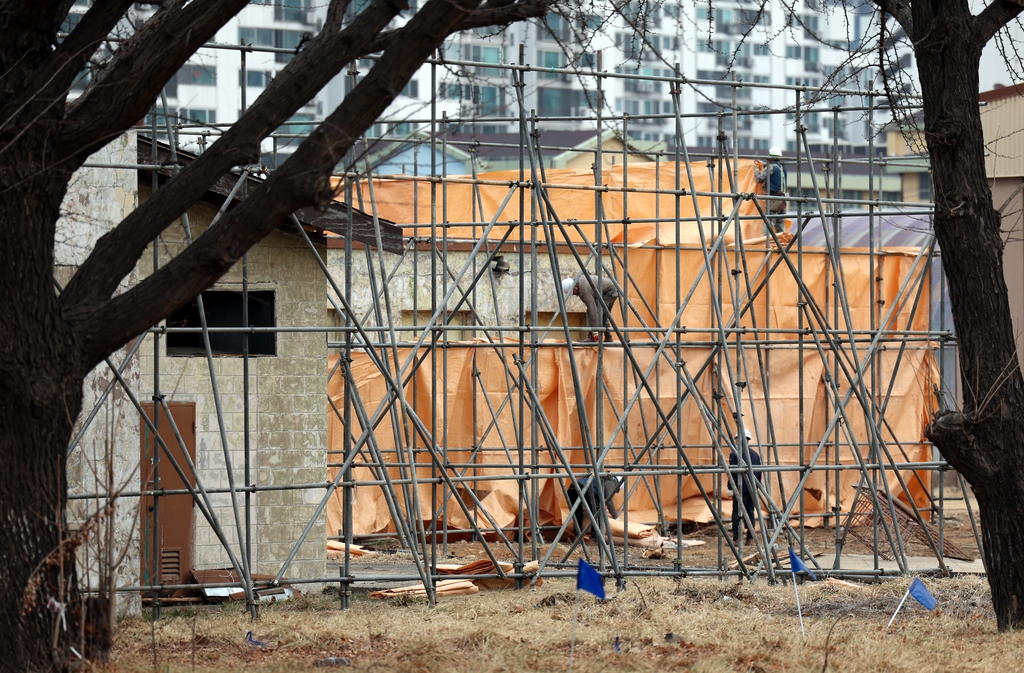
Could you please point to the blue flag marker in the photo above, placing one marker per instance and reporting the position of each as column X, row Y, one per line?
column 797, row 565
column 921, row 594
column 590, row 580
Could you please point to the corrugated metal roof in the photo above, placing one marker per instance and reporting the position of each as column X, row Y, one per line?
column 890, row 231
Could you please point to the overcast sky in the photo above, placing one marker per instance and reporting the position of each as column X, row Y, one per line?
column 993, row 68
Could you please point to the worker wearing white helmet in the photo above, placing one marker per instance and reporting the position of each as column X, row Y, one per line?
column 773, row 177
column 744, row 457
column 584, row 288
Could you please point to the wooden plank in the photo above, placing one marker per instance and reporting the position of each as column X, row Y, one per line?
column 174, row 601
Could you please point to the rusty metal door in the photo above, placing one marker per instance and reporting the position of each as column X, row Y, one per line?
column 170, row 560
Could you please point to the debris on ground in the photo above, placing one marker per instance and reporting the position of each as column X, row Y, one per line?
column 336, row 551
column 464, row 586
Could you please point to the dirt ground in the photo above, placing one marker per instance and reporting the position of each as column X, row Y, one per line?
column 820, row 541
column 660, row 624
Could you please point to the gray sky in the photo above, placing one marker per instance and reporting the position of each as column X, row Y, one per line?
column 993, row 68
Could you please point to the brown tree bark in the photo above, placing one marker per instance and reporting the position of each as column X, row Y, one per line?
column 40, row 397
column 985, row 439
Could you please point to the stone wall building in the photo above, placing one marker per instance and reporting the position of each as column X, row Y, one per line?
column 287, row 389
column 280, row 427
column 106, row 449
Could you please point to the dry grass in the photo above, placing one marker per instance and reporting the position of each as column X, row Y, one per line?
column 715, row 626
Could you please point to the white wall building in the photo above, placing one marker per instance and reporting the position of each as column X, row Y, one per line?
column 206, row 94
column 777, row 46
column 796, row 42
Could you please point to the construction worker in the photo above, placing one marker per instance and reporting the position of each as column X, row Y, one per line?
column 742, row 456
column 773, row 177
column 611, row 486
column 597, row 318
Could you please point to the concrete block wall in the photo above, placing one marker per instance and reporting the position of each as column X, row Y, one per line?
column 96, row 201
column 287, row 399
column 413, row 284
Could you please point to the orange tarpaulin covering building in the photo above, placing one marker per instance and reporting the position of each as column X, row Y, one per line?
column 572, row 196
column 467, row 410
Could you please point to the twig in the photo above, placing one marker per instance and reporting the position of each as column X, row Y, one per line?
column 642, row 599
column 828, row 642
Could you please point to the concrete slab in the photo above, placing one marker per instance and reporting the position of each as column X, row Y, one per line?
column 915, row 564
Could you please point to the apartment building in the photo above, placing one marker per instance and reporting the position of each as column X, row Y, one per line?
column 803, row 44
column 210, row 91
column 759, row 45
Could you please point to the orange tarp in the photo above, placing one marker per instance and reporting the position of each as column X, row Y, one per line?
column 471, row 383
column 907, row 412
column 407, row 202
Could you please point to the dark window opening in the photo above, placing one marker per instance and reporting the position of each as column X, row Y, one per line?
column 924, row 186
column 224, row 309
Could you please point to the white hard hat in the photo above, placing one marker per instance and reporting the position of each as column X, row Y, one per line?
column 567, row 284
column 746, row 433
column 774, row 152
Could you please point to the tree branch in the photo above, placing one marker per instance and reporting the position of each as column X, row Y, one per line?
column 493, row 13
column 126, row 87
column 118, row 251
column 335, row 15
column 994, row 17
column 76, row 49
column 45, row 16
column 951, row 433
column 50, row 82
column 899, row 10
column 303, row 180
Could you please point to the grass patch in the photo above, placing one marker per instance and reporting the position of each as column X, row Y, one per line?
column 690, row 625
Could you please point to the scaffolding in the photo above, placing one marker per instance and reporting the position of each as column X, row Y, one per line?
column 671, row 376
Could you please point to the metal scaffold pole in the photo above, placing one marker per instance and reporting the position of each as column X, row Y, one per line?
column 463, row 412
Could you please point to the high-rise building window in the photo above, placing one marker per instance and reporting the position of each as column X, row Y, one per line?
column 292, row 10
column 197, row 116
column 560, row 102
column 287, row 40
column 412, row 89
column 256, row 78
column 810, row 26
column 485, row 55
column 197, row 74
column 549, row 60
column 554, row 27
column 298, row 124
column 492, row 101
column 161, row 122
column 259, row 37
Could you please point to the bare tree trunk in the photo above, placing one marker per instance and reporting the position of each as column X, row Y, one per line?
column 984, row 440
column 38, row 401
column 40, row 397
